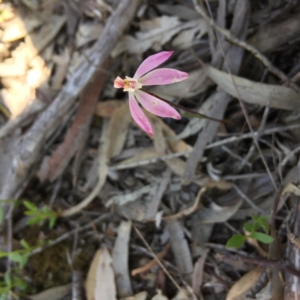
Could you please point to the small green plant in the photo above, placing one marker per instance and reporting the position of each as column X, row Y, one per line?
column 12, row 279
column 253, row 230
column 37, row 215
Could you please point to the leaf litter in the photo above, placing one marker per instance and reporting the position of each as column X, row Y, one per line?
column 70, row 143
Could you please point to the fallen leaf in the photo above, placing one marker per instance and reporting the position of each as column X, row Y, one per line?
column 244, row 284
column 100, row 282
column 54, row 293
column 199, row 273
column 88, row 32
column 159, row 296
column 154, row 34
column 120, row 260
column 139, row 296
column 291, row 188
column 118, row 129
column 186, row 38
column 180, row 249
column 215, row 213
column 275, row 96
column 105, row 109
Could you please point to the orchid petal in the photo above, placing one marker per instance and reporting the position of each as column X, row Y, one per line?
column 118, row 83
column 156, row 106
column 163, row 76
column 152, row 62
column 138, row 115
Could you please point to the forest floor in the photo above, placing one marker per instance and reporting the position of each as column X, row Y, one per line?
column 93, row 206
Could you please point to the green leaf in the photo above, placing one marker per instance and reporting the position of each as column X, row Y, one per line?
column 15, row 256
column 3, row 254
column 248, row 227
column 35, row 220
column 1, row 214
column 45, row 210
column 24, row 244
column 7, row 278
column 236, row 241
column 262, row 237
column 24, row 260
column 30, row 205
column 52, row 222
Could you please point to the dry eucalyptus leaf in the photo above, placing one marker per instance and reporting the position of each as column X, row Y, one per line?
column 100, row 282
column 123, row 199
column 198, row 273
column 107, row 108
column 37, row 41
column 275, row 96
column 54, row 293
column 147, row 154
column 181, row 11
column 62, row 64
column 274, row 35
column 216, row 213
column 159, row 296
column 186, row 38
column 139, row 296
column 118, row 129
column 120, row 260
column 291, row 188
column 180, row 249
column 88, row 32
column 242, row 286
column 195, row 124
column 154, row 34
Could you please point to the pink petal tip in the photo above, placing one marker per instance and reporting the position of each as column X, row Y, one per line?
column 139, row 116
column 118, row 83
column 152, row 62
column 157, row 106
column 163, row 76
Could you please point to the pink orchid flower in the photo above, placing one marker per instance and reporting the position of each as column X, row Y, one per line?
column 143, row 77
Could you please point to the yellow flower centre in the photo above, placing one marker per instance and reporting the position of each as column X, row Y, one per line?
column 131, row 84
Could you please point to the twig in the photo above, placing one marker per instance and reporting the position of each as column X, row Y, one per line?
column 248, row 200
column 245, row 46
column 210, row 146
column 69, row 234
column 279, row 264
column 151, row 263
column 157, row 259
